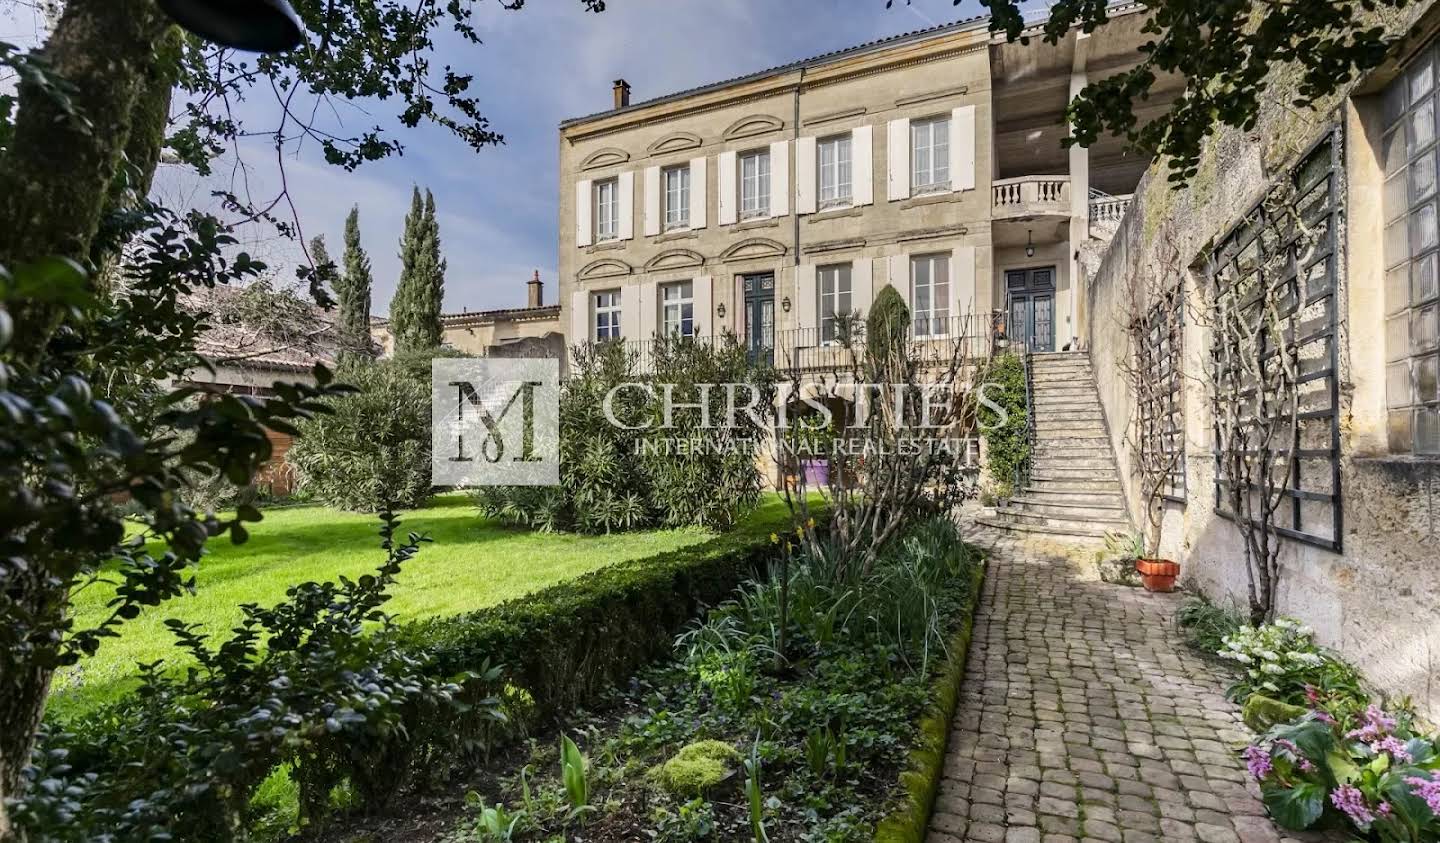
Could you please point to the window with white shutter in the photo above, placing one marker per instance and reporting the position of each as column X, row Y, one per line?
column 607, row 210
column 930, row 155
column 755, row 184
column 835, row 168
column 834, row 285
column 676, row 197
column 930, row 294
column 677, row 309
column 607, row 315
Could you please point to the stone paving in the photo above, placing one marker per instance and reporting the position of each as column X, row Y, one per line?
column 1083, row 717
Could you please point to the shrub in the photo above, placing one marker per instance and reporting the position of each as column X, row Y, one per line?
column 1282, row 661
column 1205, row 625
column 296, row 686
column 1007, row 439
column 374, row 448
column 613, row 478
column 1369, row 770
column 564, row 645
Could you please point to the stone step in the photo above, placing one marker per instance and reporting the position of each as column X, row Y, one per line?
column 1066, row 471
column 1098, row 440
column 1086, row 466
column 1020, row 516
column 1057, row 378
column 1069, row 414
column 1069, row 511
column 1068, row 366
column 1084, row 533
column 1106, row 498
column 1051, row 485
column 1068, row 429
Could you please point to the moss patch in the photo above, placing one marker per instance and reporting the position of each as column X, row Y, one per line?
column 696, row 768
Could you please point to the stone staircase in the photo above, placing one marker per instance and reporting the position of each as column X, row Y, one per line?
column 1074, row 489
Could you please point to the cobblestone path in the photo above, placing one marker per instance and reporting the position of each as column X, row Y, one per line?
column 1083, row 717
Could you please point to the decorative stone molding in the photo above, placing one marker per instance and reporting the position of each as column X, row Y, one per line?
column 607, row 157
column 675, row 142
column 605, row 268
column 754, row 248
column 755, row 124
column 674, row 259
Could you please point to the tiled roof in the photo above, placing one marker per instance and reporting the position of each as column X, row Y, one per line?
column 503, row 313
column 814, row 61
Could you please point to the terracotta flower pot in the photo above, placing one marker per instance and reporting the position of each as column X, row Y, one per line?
column 1158, row 574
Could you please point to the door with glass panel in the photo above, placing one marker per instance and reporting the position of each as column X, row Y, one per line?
column 1031, row 294
column 760, row 316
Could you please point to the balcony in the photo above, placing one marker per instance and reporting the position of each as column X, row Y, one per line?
column 931, row 343
column 1032, row 196
column 1106, row 212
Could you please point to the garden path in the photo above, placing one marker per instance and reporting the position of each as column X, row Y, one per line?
column 1083, row 716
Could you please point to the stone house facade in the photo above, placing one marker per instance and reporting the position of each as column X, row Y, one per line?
column 767, row 205
column 1360, row 535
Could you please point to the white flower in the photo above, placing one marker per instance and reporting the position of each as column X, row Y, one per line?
column 1272, row 668
column 1270, row 655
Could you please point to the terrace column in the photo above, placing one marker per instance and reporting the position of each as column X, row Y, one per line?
column 1079, row 199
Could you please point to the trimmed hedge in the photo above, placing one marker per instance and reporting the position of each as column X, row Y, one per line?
column 921, row 779
column 568, row 643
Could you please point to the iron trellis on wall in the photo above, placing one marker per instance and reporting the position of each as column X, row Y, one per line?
column 1161, row 398
column 1306, row 301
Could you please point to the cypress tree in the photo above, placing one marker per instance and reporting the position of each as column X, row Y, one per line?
column 353, row 291
column 405, row 306
column 433, row 300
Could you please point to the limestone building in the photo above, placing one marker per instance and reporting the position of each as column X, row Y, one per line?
column 767, row 205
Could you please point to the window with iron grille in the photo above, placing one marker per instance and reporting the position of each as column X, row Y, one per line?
column 678, row 309
column 930, row 294
column 1412, row 279
column 834, row 286
column 1160, row 398
column 1277, row 271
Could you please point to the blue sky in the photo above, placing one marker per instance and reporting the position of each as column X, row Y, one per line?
column 538, row 66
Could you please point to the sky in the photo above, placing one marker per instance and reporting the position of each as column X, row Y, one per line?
column 537, row 66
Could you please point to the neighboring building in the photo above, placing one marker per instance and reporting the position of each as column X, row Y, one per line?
column 1361, row 532
column 530, row 331
column 764, row 206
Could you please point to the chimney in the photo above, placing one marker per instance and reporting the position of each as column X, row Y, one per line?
column 622, row 93
column 537, row 290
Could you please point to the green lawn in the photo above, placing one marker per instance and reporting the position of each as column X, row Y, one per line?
column 472, row 563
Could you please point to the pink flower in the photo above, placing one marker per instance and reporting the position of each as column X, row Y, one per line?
column 1376, row 725
column 1349, row 799
column 1427, row 789
column 1395, row 747
column 1258, row 762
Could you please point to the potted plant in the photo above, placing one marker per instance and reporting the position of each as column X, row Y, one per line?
column 1158, row 575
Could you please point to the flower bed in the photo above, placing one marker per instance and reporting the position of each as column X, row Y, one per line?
column 1329, row 758
column 730, row 740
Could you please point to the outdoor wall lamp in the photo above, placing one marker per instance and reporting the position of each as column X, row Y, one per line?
column 1029, row 243
column 257, row 26
column 785, row 304
column 720, row 311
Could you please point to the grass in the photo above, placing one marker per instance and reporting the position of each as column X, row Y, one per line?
column 472, row 563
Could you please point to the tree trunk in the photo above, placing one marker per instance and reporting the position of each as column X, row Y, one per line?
column 55, row 178
column 55, row 183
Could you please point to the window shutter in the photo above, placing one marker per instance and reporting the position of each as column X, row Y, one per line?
column 584, row 227
column 900, row 275
column 580, row 330
column 898, row 155
column 862, row 166
column 729, row 190
column 807, row 299
column 704, row 306
column 780, row 179
column 698, row 182
column 630, row 313
column 962, row 148
column 627, row 206
column 805, row 180
column 652, row 201
column 962, row 281
column 649, row 310
column 862, row 287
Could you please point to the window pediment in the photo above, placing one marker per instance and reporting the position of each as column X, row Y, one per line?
column 755, row 247
column 605, row 268
column 675, row 259
column 755, row 124
column 607, row 157
column 675, row 142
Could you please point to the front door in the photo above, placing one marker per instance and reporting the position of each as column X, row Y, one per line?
column 1031, row 293
column 760, row 316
